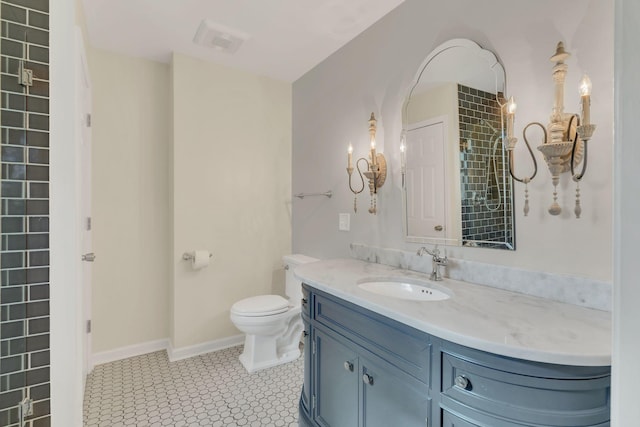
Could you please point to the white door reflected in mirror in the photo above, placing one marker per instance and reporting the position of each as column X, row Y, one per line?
column 425, row 183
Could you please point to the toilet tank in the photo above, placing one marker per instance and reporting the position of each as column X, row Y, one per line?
column 293, row 286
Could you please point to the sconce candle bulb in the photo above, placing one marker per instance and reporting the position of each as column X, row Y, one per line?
column 372, row 155
column 585, row 94
column 350, row 157
column 511, row 113
column 372, row 138
column 511, row 106
column 585, row 86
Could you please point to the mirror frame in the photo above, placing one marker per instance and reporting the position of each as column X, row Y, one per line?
column 494, row 65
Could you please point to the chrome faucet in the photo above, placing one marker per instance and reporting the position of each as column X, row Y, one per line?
column 436, row 261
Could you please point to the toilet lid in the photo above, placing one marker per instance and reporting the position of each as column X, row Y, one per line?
column 261, row 305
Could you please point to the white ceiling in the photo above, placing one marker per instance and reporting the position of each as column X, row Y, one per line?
column 286, row 37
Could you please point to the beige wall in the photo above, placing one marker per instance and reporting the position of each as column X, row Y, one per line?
column 131, row 200
column 232, row 192
column 186, row 156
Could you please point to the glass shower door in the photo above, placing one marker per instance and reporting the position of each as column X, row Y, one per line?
column 24, row 214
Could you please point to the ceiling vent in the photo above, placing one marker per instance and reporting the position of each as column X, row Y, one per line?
column 219, row 37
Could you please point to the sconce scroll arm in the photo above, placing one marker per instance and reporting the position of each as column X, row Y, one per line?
column 579, row 176
column 359, row 174
column 526, row 180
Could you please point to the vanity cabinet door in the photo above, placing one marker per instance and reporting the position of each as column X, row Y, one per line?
column 336, row 382
column 390, row 397
column 306, row 385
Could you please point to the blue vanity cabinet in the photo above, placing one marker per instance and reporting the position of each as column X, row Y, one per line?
column 367, row 370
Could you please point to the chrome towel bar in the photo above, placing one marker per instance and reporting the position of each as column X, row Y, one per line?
column 303, row 195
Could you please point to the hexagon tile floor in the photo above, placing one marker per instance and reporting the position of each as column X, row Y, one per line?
column 213, row 389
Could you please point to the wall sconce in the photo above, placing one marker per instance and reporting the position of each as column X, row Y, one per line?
column 376, row 171
column 565, row 139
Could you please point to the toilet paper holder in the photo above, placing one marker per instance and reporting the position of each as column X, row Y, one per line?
column 190, row 256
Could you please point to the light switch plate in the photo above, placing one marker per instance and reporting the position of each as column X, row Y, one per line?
column 344, row 222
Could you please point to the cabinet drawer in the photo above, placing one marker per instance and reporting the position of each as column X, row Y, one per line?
column 403, row 346
column 478, row 420
column 450, row 420
column 521, row 396
column 483, row 420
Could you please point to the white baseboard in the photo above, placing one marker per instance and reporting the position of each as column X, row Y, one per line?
column 206, row 347
column 128, row 351
column 164, row 344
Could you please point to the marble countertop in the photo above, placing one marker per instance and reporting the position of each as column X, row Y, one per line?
column 481, row 317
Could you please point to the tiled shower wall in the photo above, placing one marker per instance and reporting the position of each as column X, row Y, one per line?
column 24, row 256
column 485, row 216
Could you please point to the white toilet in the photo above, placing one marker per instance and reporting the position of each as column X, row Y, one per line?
column 272, row 324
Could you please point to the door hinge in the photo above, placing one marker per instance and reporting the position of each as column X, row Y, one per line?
column 88, row 223
column 25, row 75
column 313, row 348
column 88, row 326
column 88, row 119
column 25, row 409
column 313, row 401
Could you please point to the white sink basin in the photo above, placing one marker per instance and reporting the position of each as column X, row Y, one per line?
column 406, row 288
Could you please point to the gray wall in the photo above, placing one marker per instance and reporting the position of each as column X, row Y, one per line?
column 332, row 102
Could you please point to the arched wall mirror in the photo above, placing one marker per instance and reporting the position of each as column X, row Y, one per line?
column 456, row 183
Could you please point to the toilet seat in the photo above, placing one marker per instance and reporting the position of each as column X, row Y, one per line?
column 261, row 305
